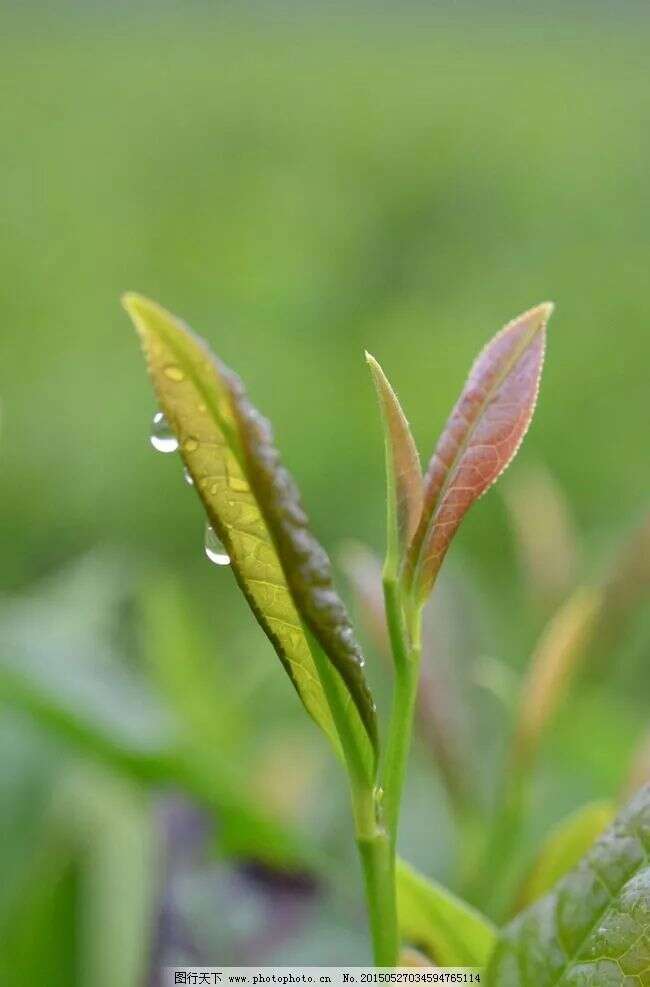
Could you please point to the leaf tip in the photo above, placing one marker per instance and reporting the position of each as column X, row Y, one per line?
column 538, row 316
column 139, row 308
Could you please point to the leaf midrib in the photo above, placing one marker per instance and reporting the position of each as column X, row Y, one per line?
column 205, row 392
column 466, row 441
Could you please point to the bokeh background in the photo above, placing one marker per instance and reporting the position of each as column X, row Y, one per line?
column 300, row 182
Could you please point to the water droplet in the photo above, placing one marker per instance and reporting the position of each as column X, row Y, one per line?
column 174, row 373
column 187, row 476
column 213, row 547
column 161, row 436
column 191, row 444
column 238, row 484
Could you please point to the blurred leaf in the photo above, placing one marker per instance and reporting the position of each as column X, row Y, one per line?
column 547, row 539
column 111, row 823
column 403, row 473
column 183, row 667
column 413, row 957
column 553, row 666
column 564, row 847
column 103, row 709
column 363, row 570
column 627, row 584
column 107, row 712
column 38, row 938
column 594, row 927
column 432, row 918
column 480, row 439
column 638, row 773
column 93, row 868
column 253, row 504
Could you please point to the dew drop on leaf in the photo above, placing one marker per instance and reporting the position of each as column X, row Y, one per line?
column 161, row 436
column 174, row 373
column 187, row 476
column 213, row 547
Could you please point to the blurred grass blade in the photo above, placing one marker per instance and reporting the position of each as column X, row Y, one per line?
column 254, row 506
column 186, row 671
column 480, row 439
column 594, row 927
column 546, row 537
column 113, row 825
column 112, row 716
column 404, row 491
column 363, row 570
column 108, row 714
column 638, row 773
column 554, row 664
column 450, row 931
column 563, row 849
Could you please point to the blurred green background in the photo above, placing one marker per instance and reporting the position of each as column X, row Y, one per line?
column 300, row 183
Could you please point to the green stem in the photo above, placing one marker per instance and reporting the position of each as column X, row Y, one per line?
column 405, row 644
column 377, row 859
column 378, row 864
column 399, row 743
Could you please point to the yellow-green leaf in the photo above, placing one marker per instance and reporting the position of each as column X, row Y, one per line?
column 564, row 847
column 430, row 917
column 254, row 506
column 404, row 491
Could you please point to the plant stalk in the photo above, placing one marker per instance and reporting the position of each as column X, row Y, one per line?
column 399, row 742
column 405, row 645
column 377, row 858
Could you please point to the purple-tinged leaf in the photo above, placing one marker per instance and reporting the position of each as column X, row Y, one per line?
column 480, row 439
column 403, row 473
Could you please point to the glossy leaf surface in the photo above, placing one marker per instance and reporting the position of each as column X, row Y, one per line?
column 480, row 439
column 593, row 929
column 432, row 918
column 403, row 473
column 254, row 507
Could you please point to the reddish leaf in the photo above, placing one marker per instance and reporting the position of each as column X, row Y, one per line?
column 480, row 439
column 403, row 473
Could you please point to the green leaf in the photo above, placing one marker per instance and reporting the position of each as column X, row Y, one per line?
column 254, row 506
column 480, row 439
column 564, row 847
column 593, row 929
column 449, row 930
column 404, row 491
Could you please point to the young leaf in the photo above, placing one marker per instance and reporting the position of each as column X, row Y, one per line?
column 480, row 439
column 564, row 848
column 253, row 505
column 449, row 930
column 403, row 473
column 594, row 928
